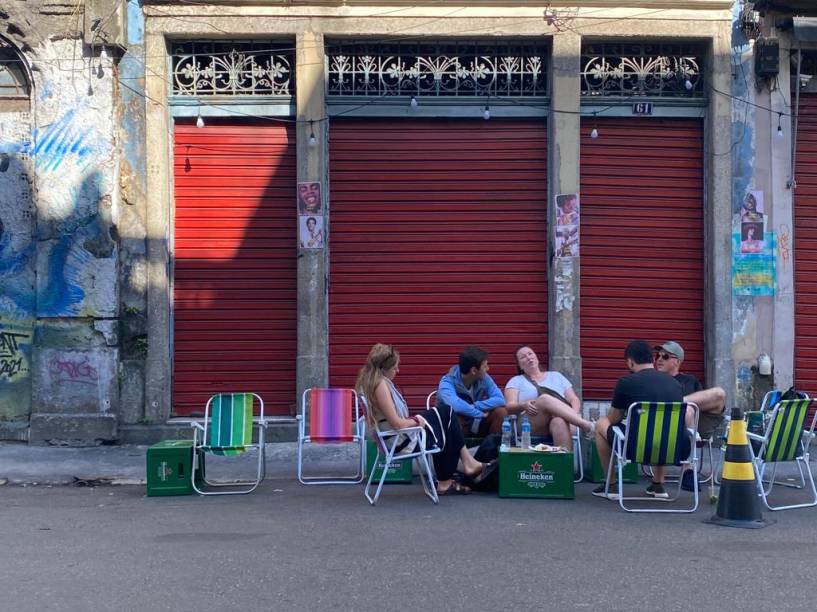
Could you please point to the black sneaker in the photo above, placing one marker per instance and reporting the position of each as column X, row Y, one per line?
column 687, row 481
column 656, row 489
column 599, row 492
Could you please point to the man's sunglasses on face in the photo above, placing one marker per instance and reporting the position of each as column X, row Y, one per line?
column 664, row 356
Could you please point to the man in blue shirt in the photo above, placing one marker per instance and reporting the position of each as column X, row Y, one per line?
column 472, row 394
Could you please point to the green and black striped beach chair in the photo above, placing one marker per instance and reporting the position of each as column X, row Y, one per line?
column 227, row 431
column 655, row 435
column 786, row 438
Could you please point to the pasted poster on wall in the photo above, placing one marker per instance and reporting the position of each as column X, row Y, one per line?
column 309, row 198
column 310, row 232
column 753, row 271
column 310, row 216
column 567, row 225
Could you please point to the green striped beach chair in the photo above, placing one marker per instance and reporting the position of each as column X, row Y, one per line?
column 655, row 435
column 786, row 438
column 227, row 432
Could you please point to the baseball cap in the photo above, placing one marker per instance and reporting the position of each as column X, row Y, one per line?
column 671, row 347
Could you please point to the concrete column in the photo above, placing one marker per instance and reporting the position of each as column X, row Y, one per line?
column 718, row 219
column 563, row 177
column 781, row 221
column 313, row 264
column 157, row 122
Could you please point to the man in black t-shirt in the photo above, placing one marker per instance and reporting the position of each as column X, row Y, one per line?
column 643, row 384
column 711, row 402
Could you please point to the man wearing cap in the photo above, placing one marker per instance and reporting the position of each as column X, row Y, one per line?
column 711, row 402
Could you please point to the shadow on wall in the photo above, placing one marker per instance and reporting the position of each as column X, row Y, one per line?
column 77, row 252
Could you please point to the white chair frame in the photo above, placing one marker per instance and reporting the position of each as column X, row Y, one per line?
column 765, row 486
column 358, row 439
column 620, row 460
column 200, row 429
column 386, row 442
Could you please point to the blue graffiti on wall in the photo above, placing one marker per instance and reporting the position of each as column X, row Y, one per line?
column 58, row 141
column 18, row 294
column 61, row 292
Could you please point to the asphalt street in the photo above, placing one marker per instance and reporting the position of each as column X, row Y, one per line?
column 291, row 547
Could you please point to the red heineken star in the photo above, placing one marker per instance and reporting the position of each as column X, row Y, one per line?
column 535, row 467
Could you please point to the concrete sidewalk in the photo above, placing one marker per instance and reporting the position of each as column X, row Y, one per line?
column 21, row 464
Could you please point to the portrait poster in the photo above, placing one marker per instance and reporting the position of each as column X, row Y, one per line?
column 752, row 208
column 751, row 237
column 310, row 231
column 567, row 241
column 567, row 209
column 309, row 198
column 567, row 225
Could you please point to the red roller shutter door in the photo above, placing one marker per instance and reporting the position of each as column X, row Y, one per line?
column 641, row 243
column 805, row 248
column 235, row 269
column 437, row 241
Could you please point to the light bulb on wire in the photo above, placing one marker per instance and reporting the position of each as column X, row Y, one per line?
column 199, row 121
column 486, row 114
column 594, row 133
column 312, row 142
column 688, row 84
column 413, row 102
column 779, row 126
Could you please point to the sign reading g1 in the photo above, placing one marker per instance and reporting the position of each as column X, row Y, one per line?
column 642, row 108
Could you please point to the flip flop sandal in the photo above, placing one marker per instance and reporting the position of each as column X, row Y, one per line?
column 455, row 488
column 487, row 469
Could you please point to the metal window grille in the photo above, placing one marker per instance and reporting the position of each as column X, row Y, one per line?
column 233, row 68
column 642, row 69
column 437, row 69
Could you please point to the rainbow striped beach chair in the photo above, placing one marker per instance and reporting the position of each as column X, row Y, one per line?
column 227, row 432
column 655, row 435
column 786, row 437
column 331, row 416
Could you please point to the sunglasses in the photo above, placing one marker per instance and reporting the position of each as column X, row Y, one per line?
column 664, row 356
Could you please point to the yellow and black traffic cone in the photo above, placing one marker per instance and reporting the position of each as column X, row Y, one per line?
column 739, row 501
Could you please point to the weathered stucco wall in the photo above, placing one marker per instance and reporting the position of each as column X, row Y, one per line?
column 59, row 205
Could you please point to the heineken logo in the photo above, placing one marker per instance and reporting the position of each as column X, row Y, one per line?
column 164, row 471
column 535, row 474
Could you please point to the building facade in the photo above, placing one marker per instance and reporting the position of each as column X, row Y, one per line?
column 248, row 195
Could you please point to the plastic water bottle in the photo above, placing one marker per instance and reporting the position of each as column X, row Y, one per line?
column 525, row 431
column 506, row 434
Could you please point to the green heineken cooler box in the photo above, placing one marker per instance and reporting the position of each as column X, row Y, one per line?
column 595, row 473
column 399, row 471
column 529, row 473
column 168, row 468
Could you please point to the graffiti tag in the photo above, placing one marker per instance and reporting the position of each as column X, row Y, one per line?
column 73, row 371
column 9, row 346
column 10, row 363
column 784, row 244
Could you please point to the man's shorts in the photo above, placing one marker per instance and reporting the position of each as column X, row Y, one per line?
column 708, row 422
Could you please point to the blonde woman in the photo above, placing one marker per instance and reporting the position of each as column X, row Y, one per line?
column 530, row 393
column 388, row 410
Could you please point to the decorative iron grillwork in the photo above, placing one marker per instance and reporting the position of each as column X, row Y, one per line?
column 504, row 69
column 233, row 68
column 642, row 69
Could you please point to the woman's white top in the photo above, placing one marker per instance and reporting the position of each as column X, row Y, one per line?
column 552, row 380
